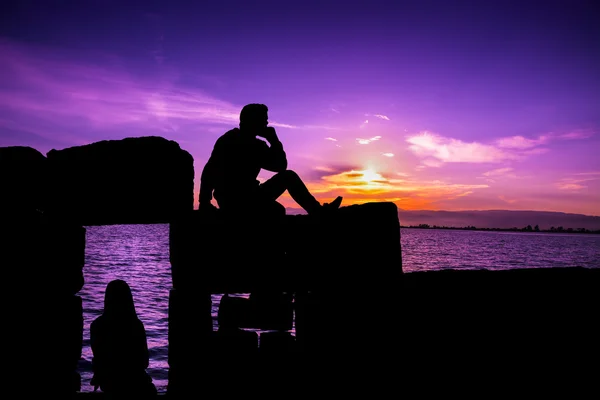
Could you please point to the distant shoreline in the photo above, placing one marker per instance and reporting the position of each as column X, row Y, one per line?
column 472, row 228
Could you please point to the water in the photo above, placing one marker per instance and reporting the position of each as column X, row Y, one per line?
column 434, row 249
column 139, row 254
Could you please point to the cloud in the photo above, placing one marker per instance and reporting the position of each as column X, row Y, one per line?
column 507, row 200
column 359, row 186
column 536, row 151
column 578, row 134
column 370, row 182
column 54, row 88
column 464, row 194
column 569, row 186
column 48, row 88
column 289, row 126
column 387, row 154
column 429, row 145
column 520, row 142
column 432, row 163
column 317, row 173
column 498, row 172
column 280, row 125
column 592, row 173
column 325, row 168
column 364, row 124
column 574, row 183
column 380, row 116
column 367, row 141
column 332, row 139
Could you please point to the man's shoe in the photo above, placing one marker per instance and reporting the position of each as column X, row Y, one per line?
column 334, row 205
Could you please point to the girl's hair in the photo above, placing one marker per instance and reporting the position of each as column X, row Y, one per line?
column 118, row 300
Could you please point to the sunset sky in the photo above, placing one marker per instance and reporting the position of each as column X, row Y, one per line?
column 447, row 105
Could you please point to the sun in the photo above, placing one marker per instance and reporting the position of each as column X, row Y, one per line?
column 370, row 176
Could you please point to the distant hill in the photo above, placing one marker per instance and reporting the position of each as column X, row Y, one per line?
column 503, row 219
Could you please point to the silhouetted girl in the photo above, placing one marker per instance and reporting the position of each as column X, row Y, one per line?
column 120, row 350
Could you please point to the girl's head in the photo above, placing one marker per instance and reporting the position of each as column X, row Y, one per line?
column 118, row 300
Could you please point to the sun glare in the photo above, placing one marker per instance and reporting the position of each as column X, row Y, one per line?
column 370, row 176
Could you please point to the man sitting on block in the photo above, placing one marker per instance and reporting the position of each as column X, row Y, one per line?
column 235, row 162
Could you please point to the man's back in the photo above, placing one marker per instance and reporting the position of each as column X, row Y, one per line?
column 239, row 158
column 234, row 165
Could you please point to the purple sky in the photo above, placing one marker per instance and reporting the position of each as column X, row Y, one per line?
column 433, row 105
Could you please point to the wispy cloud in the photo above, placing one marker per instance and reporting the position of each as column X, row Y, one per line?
column 592, row 173
column 578, row 134
column 380, row 116
column 280, row 125
column 364, row 124
column 54, row 88
column 332, row 139
column 569, row 186
column 536, row 151
column 367, row 141
column 156, row 22
column 387, row 154
column 520, row 142
column 317, row 173
column 575, row 182
column 498, row 172
column 430, row 145
column 51, row 89
column 433, row 163
column 463, row 194
column 507, row 200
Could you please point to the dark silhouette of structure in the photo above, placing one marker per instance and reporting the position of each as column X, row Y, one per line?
column 122, row 172
column 119, row 346
column 360, row 322
column 235, row 162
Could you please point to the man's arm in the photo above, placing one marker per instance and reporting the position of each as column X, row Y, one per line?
column 275, row 159
column 208, row 177
column 207, row 183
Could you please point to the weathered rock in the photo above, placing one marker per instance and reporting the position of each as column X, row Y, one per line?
column 213, row 254
column 41, row 254
column 190, row 322
column 127, row 181
column 43, row 335
column 265, row 311
column 277, row 344
column 22, row 179
column 532, row 315
column 356, row 248
column 210, row 253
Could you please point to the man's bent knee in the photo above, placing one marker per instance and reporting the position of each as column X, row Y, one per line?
column 289, row 175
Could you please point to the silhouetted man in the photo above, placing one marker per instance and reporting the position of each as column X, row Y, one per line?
column 236, row 161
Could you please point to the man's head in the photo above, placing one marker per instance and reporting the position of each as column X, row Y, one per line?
column 254, row 116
